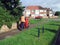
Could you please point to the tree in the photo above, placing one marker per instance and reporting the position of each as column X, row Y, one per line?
column 5, row 18
column 10, row 4
column 13, row 6
column 57, row 13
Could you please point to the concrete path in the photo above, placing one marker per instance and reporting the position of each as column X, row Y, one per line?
column 14, row 32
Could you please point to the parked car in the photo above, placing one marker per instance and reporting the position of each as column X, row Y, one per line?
column 38, row 17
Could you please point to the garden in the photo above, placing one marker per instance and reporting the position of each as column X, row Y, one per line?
column 48, row 28
column 30, row 36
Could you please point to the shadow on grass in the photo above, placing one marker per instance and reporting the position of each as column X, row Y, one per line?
column 55, row 40
column 51, row 30
column 55, row 24
column 38, row 30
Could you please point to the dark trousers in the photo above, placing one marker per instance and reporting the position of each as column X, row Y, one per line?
column 22, row 25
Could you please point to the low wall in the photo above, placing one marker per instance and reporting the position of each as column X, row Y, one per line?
column 4, row 28
column 50, row 17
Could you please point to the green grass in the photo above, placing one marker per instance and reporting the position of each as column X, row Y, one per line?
column 29, row 37
column 33, row 21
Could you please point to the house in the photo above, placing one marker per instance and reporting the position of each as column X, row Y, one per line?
column 37, row 11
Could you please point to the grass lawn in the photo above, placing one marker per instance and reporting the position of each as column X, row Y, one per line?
column 29, row 37
column 33, row 21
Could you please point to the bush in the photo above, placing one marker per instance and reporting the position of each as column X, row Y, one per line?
column 5, row 17
column 57, row 13
column 17, row 12
column 8, row 14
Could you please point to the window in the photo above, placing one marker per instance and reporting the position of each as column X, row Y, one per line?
column 36, row 11
column 41, row 10
column 50, row 11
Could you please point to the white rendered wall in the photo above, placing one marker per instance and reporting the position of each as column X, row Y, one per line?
column 37, row 12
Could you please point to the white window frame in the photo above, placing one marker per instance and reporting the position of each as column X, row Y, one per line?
column 37, row 12
column 50, row 11
column 41, row 10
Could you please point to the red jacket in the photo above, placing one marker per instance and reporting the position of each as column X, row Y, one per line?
column 26, row 22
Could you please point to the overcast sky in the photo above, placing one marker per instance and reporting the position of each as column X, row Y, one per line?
column 54, row 4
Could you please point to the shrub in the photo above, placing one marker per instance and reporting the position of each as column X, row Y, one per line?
column 5, row 17
column 57, row 13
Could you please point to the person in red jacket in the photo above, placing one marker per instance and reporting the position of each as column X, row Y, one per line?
column 26, row 22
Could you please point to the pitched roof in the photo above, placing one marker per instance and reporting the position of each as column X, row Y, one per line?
column 33, row 7
column 37, row 8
